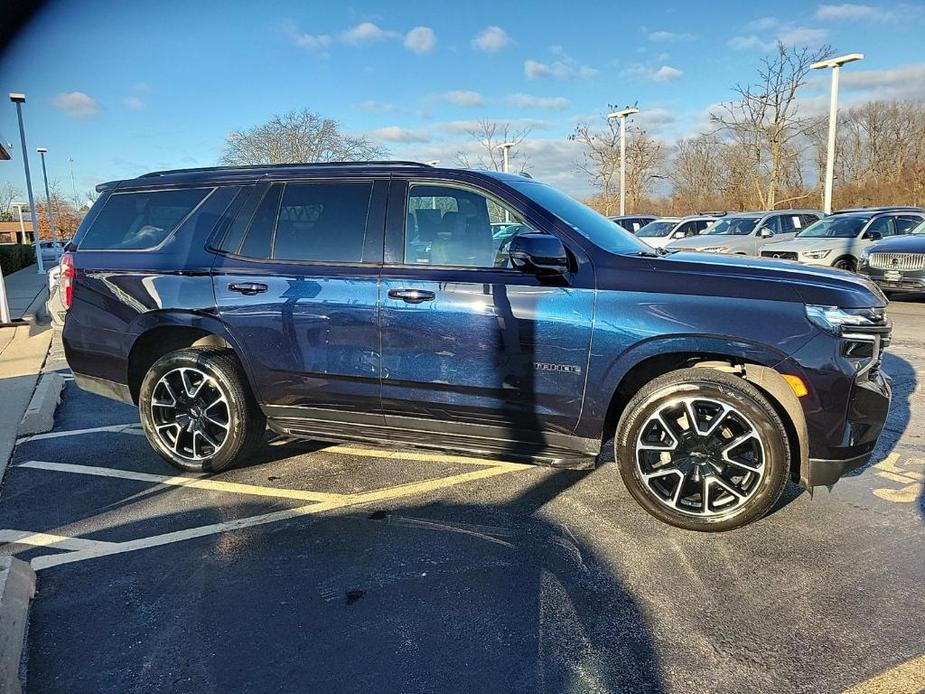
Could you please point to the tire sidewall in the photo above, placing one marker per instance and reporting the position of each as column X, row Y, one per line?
column 236, row 413
column 760, row 413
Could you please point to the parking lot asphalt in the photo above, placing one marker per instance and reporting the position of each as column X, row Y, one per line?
column 351, row 568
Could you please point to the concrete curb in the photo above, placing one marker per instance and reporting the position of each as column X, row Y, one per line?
column 17, row 588
column 39, row 416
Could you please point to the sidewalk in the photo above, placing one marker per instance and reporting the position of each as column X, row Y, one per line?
column 22, row 353
column 22, row 290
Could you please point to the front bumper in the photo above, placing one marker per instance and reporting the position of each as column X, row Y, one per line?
column 867, row 412
column 908, row 281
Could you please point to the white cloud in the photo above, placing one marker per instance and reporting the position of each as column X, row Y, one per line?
column 133, row 103
column 903, row 82
column 551, row 103
column 560, row 69
column 421, row 40
column 464, row 126
column 663, row 73
column 670, row 36
column 666, row 73
column 394, row 133
column 787, row 34
column 655, row 120
column 763, row 24
column 802, row 36
column 462, row 97
column 852, row 11
column 313, row 43
column 77, row 104
column 374, row 106
column 367, row 32
column 491, row 39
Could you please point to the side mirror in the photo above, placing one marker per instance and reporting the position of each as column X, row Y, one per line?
column 678, row 235
column 538, row 253
column 765, row 233
column 874, row 235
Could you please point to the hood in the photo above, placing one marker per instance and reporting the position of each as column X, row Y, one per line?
column 708, row 241
column 910, row 243
column 798, row 244
column 737, row 276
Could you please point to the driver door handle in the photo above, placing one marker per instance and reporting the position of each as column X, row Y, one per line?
column 411, row 296
column 248, row 288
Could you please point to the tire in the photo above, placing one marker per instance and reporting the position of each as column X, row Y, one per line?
column 201, row 437
column 666, row 466
column 847, row 263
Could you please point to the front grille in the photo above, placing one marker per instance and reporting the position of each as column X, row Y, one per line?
column 898, row 261
column 779, row 255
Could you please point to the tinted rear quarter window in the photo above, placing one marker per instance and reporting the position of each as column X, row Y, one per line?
column 142, row 219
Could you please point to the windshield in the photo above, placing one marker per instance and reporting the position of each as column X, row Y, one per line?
column 653, row 229
column 593, row 226
column 737, row 226
column 834, row 227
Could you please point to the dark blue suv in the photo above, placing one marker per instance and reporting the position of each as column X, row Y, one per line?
column 386, row 302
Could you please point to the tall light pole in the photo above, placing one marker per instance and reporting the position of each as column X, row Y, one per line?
column 51, row 220
column 505, row 147
column 835, row 64
column 19, row 100
column 622, row 116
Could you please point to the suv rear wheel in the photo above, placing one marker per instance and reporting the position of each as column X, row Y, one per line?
column 197, row 411
column 702, row 450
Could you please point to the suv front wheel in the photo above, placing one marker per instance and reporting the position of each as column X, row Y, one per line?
column 197, row 411
column 703, row 450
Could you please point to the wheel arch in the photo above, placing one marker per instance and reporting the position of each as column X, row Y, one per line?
column 760, row 372
column 162, row 332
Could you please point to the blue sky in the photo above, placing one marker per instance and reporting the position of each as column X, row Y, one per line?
column 124, row 88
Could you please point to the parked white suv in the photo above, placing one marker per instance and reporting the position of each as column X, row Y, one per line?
column 838, row 240
column 746, row 233
column 663, row 230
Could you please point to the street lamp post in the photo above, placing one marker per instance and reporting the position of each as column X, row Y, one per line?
column 51, row 220
column 622, row 116
column 835, row 64
column 505, row 148
column 19, row 100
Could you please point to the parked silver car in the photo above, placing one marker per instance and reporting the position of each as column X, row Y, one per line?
column 663, row 230
column 839, row 239
column 746, row 233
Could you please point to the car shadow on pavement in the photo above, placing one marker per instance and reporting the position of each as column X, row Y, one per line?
column 409, row 597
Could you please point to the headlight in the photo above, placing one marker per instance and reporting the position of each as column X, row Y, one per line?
column 864, row 258
column 715, row 249
column 817, row 255
column 833, row 319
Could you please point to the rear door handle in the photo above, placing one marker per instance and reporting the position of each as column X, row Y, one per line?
column 248, row 288
column 411, row 296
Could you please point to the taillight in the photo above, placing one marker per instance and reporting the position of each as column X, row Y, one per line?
column 66, row 279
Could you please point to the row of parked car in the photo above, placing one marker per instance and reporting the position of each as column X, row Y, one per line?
column 885, row 243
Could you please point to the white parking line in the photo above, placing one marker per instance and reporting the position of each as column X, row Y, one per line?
column 25, row 537
column 114, row 428
column 48, row 561
column 194, row 482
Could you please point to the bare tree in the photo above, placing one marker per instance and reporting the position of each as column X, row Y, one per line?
column 488, row 134
column 297, row 137
column 600, row 160
column 8, row 193
column 765, row 121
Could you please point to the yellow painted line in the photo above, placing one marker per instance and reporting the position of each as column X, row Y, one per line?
column 905, row 678
column 906, row 495
column 25, row 537
column 422, row 456
column 902, row 479
column 44, row 562
column 193, row 482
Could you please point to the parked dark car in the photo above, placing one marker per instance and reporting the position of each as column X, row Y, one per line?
column 372, row 302
column 897, row 265
column 633, row 222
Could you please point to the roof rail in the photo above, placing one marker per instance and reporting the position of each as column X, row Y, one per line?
column 713, row 213
column 879, row 208
column 245, row 167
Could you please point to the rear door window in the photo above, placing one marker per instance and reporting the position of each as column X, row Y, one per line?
column 322, row 222
column 141, row 220
column 907, row 223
